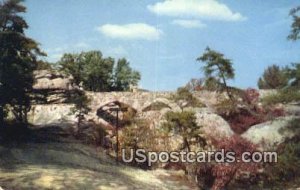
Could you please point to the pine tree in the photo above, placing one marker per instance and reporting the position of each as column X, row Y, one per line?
column 18, row 60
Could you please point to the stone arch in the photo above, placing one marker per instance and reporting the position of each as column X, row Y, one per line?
column 157, row 104
column 107, row 114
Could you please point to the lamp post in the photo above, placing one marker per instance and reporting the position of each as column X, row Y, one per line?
column 116, row 109
column 115, row 106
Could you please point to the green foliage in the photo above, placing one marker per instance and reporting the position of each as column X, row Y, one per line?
column 43, row 65
column 273, row 77
column 295, row 31
column 294, row 75
column 96, row 73
column 217, row 67
column 282, row 96
column 136, row 132
column 89, row 69
column 81, row 108
column 182, row 123
column 18, row 60
column 124, row 76
column 184, row 98
column 286, row 170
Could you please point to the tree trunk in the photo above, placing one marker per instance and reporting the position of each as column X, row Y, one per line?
column 1, row 116
column 187, row 145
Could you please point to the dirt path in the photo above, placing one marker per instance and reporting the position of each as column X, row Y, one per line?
column 39, row 166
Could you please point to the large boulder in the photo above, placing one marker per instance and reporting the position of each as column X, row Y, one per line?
column 212, row 124
column 52, row 115
column 270, row 134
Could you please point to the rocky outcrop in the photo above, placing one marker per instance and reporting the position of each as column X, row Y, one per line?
column 59, row 115
column 212, row 124
column 270, row 134
column 51, row 80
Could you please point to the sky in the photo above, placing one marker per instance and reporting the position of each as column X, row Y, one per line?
column 163, row 38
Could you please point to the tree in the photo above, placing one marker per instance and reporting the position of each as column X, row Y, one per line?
column 273, row 77
column 89, row 69
column 124, row 76
column 294, row 75
column 44, row 65
column 295, row 35
column 183, row 123
column 217, row 67
column 18, row 60
column 96, row 73
column 295, row 31
column 81, row 108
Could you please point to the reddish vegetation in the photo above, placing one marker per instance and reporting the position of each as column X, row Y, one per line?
column 251, row 114
column 225, row 172
column 242, row 121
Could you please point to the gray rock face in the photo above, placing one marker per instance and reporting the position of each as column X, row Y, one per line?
column 213, row 125
column 52, row 115
column 46, row 79
column 270, row 134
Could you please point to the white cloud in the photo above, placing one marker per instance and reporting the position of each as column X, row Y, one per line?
column 131, row 31
column 205, row 9
column 189, row 23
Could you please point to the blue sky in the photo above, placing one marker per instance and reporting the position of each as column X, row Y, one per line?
column 162, row 39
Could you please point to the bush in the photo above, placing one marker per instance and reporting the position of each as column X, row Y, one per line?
column 283, row 96
column 286, row 170
column 138, row 135
column 242, row 121
column 217, row 176
column 245, row 111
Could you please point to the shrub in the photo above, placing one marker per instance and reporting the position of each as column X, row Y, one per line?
column 224, row 173
column 286, row 170
column 183, row 123
column 283, row 96
column 184, row 98
column 220, row 175
column 242, row 121
column 138, row 135
column 245, row 111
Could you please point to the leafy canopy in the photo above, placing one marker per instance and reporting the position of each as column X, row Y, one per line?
column 96, row 73
column 217, row 68
column 295, row 31
column 182, row 123
column 274, row 77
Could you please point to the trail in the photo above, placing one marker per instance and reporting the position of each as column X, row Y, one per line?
column 71, row 165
